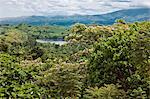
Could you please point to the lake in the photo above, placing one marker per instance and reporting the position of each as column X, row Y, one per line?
column 59, row 42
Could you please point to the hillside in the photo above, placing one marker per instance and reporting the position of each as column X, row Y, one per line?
column 130, row 15
column 95, row 62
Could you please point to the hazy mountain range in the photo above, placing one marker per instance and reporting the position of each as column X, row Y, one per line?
column 129, row 15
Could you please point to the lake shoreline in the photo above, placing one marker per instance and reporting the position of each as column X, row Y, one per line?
column 52, row 41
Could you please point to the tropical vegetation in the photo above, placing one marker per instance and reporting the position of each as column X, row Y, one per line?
column 97, row 62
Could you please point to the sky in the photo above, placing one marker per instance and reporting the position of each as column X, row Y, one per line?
column 15, row 8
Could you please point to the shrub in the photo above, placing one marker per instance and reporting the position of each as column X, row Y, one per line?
column 106, row 92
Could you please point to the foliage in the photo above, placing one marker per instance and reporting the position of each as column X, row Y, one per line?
column 62, row 80
column 43, row 32
column 15, row 82
column 98, row 62
column 118, row 58
column 107, row 92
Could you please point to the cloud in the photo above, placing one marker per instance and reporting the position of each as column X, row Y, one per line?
column 140, row 3
column 121, row 0
column 12, row 8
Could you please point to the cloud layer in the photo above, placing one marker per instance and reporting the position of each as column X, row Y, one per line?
column 13, row 8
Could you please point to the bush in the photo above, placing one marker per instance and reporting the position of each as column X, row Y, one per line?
column 107, row 92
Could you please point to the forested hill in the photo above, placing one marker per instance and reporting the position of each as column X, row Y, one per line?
column 97, row 62
column 130, row 15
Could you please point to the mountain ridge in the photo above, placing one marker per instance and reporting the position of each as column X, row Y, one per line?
column 129, row 15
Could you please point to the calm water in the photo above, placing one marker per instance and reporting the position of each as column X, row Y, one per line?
column 51, row 41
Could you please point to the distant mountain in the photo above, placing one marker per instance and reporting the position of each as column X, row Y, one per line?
column 129, row 15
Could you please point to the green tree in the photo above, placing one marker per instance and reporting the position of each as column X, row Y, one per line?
column 15, row 81
column 63, row 80
column 117, row 58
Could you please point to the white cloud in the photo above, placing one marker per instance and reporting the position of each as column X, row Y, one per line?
column 140, row 3
column 12, row 8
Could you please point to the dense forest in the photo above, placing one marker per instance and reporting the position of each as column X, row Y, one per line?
column 97, row 62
